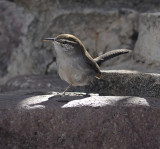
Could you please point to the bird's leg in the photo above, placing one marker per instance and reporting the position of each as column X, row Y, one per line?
column 67, row 89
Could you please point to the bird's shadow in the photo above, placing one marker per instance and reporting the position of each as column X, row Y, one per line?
column 59, row 100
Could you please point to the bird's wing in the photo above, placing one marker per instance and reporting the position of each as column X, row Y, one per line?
column 93, row 65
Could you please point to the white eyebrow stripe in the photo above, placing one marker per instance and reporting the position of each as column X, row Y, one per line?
column 69, row 41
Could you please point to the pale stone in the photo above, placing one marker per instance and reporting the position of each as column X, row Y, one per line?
column 148, row 43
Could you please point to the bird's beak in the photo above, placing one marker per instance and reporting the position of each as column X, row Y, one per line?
column 49, row 39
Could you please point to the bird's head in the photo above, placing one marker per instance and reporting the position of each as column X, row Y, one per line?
column 66, row 43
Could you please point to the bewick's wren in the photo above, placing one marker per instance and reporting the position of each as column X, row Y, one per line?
column 74, row 63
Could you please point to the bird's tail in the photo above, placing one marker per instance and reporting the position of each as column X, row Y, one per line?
column 108, row 55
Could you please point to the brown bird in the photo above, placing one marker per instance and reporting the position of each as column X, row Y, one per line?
column 74, row 63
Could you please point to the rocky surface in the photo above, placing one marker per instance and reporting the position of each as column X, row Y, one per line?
column 112, row 83
column 148, row 33
column 37, row 115
column 128, row 84
column 30, row 82
column 107, row 127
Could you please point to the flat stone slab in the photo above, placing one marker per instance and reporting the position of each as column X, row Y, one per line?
column 42, row 99
column 127, row 83
column 41, row 119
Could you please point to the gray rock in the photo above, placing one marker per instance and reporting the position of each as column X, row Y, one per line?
column 144, row 5
column 30, row 120
column 102, row 101
column 147, row 45
column 29, row 82
column 112, row 83
column 35, row 115
column 11, row 22
column 127, row 83
column 81, row 128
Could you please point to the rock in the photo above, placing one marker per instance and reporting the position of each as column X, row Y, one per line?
column 78, row 128
column 30, row 120
column 127, row 83
column 35, row 115
column 102, row 101
column 112, row 83
column 11, row 22
column 138, row 4
column 147, row 45
column 25, row 82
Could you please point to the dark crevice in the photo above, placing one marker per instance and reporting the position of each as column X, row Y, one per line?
column 48, row 65
column 134, row 38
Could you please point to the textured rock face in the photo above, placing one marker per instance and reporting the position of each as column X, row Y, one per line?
column 81, row 128
column 147, row 46
column 112, row 83
column 11, row 22
column 34, row 115
column 128, row 84
column 14, row 49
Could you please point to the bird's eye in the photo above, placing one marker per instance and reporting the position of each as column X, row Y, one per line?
column 64, row 42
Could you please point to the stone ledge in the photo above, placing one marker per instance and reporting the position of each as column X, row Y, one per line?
column 112, row 83
column 127, row 83
column 36, row 116
column 42, row 99
column 106, row 127
column 47, row 120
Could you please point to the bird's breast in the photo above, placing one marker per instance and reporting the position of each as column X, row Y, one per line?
column 74, row 71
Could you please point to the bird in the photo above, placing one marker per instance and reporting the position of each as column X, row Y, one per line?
column 74, row 64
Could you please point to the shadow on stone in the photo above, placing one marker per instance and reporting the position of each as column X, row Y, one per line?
column 60, row 100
